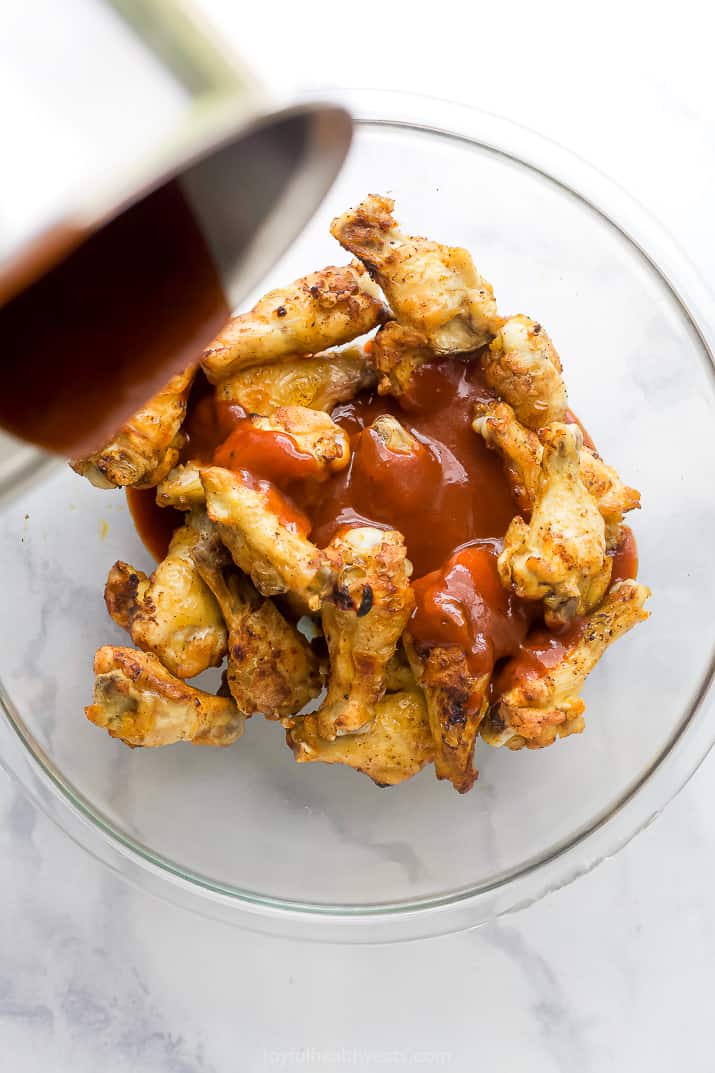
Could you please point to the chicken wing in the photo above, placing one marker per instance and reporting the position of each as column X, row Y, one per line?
column 541, row 702
column 147, row 446
column 137, row 700
column 397, row 354
column 522, row 452
column 324, row 309
column 256, row 524
column 560, row 554
column 172, row 613
column 321, row 382
column 433, row 289
column 181, row 488
column 522, row 366
column 313, row 432
column 456, row 704
column 272, row 670
column 397, row 745
column 363, row 620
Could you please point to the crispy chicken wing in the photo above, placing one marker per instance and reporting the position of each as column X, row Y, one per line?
column 540, row 701
column 272, row 670
column 324, row 309
column 397, row 745
column 522, row 452
column 320, row 382
column 434, row 289
column 522, row 366
column 137, row 700
column 397, row 354
column 363, row 620
column 147, row 446
column 313, row 432
column 560, row 554
column 172, row 613
column 181, row 488
column 456, row 704
column 263, row 539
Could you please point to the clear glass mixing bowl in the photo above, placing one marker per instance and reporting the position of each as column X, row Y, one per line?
column 247, row 834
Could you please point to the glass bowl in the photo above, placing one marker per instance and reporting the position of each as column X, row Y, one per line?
column 248, row 835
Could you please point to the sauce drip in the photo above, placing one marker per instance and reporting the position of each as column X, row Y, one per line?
column 625, row 557
column 87, row 344
column 155, row 525
column 272, row 455
column 465, row 604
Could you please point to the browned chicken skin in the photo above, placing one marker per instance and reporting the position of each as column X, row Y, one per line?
column 313, row 433
column 324, row 309
column 147, row 446
column 522, row 366
column 137, row 700
column 538, row 708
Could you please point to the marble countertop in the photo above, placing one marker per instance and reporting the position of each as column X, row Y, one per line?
column 610, row 974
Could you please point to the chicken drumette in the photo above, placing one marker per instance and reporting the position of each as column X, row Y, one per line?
column 257, row 526
column 172, row 613
column 137, row 700
column 522, row 366
column 147, row 446
column 433, row 289
column 363, row 619
column 539, row 701
column 272, row 670
column 324, row 309
column 559, row 556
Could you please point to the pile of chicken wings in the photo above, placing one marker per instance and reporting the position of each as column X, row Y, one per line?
column 243, row 584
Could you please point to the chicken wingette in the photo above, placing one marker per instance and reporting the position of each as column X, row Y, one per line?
column 138, row 701
column 523, row 367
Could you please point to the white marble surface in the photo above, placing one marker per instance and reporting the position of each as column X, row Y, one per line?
column 611, row 974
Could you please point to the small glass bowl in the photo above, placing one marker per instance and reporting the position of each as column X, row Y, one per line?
column 310, row 850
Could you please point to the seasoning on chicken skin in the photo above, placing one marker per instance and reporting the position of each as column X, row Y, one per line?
column 172, row 613
column 181, row 488
column 522, row 366
column 522, row 452
column 325, row 309
column 363, row 619
column 272, row 670
column 397, row 354
column 433, row 289
column 456, row 704
column 560, row 554
column 397, row 745
column 263, row 543
column 138, row 701
column 320, row 382
column 536, row 708
column 147, row 446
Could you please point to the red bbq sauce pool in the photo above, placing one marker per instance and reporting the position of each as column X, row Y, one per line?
column 450, row 499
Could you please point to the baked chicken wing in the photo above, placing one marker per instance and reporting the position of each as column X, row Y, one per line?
column 397, row 354
column 314, row 434
column 456, row 704
column 363, row 619
column 272, row 670
column 522, row 366
column 540, row 700
column 257, row 526
column 320, row 382
column 397, row 745
column 433, row 289
column 324, row 309
column 522, row 452
column 172, row 613
column 137, row 700
column 147, row 446
column 559, row 556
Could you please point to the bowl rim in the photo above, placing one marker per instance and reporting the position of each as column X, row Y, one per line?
column 25, row 760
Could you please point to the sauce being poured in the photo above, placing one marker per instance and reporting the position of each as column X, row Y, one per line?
column 93, row 339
